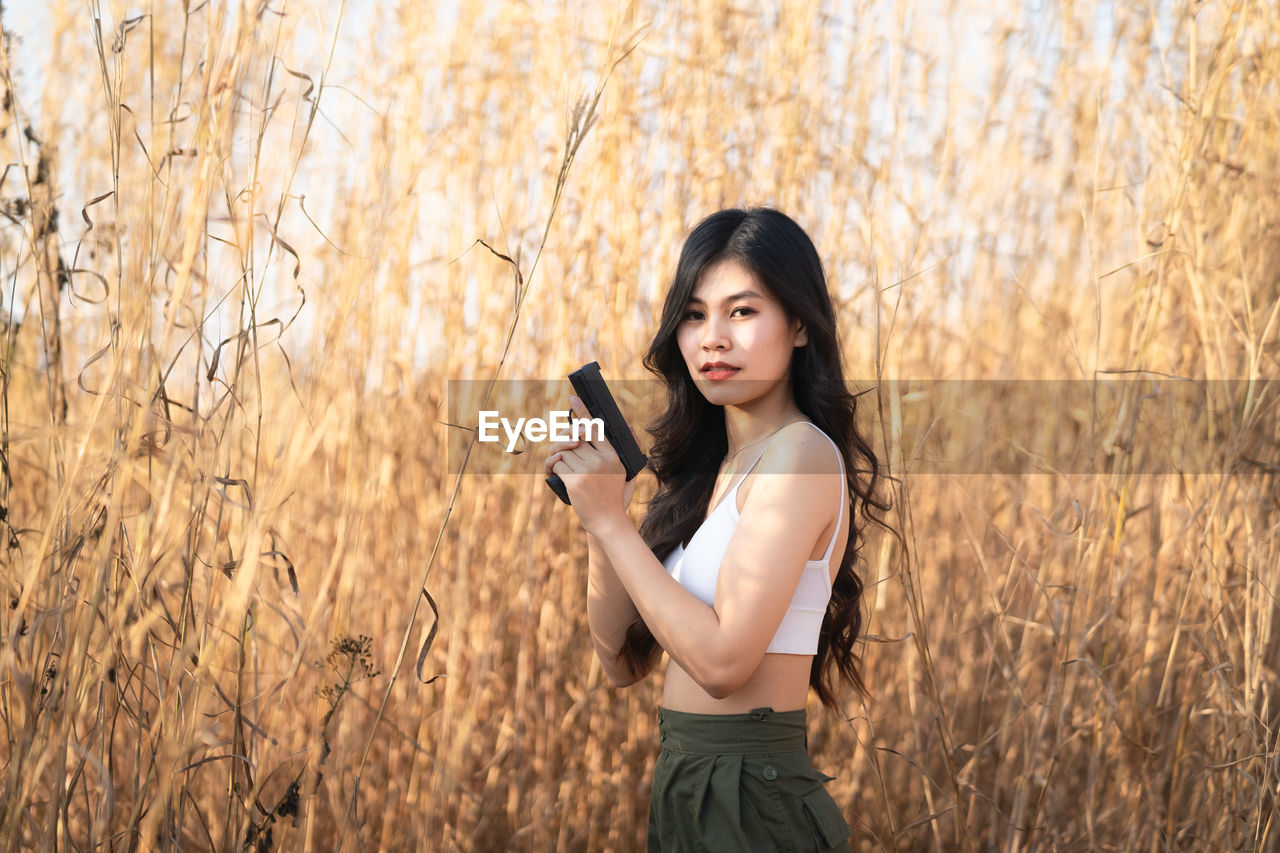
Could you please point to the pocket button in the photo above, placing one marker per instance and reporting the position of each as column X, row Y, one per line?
column 770, row 773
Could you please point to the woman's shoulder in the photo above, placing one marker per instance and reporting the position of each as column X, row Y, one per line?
column 803, row 465
column 801, row 448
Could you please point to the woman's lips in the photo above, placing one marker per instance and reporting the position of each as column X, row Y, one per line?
column 715, row 374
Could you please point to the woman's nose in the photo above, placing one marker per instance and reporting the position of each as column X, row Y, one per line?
column 714, row 334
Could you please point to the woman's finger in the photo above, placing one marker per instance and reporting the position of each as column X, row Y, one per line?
column 552, row 459
column 555, row 452
column 561, row 445
column 566, row 462
column 579, row 411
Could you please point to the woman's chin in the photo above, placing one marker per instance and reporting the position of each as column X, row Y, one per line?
column 732, row 392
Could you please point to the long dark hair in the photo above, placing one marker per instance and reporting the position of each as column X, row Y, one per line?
column 689, row 439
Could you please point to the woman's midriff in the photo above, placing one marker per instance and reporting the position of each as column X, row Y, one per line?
column 780, row 682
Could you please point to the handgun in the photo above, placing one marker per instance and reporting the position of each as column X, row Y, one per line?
column 594, row 393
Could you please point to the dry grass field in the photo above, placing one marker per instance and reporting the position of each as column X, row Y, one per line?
column 239, row 265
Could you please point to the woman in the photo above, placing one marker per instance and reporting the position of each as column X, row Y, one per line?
column 742, row 570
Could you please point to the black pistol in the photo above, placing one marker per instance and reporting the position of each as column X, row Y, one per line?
column 589, row 385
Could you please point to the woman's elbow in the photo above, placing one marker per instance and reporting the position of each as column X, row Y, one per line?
column 722, row 681
column 623, row 678
column 716, row 690
column 619, row 672
column 722, row 689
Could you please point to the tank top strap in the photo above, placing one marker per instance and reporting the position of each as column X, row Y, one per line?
column 760, row 455
column 734, row 492
column 826, row 558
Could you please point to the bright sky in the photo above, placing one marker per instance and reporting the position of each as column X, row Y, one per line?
column 937, row 26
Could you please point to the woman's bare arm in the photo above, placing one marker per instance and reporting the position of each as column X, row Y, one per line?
column 610, row 611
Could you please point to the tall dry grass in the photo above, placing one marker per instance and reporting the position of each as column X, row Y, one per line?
column 239, row 266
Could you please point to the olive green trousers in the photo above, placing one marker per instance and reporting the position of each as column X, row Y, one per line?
column 740, row 782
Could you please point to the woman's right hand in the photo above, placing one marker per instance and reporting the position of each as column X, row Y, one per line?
column 557, row 448
column 553, row 455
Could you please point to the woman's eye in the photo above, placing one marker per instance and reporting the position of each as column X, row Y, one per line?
column 740, row 311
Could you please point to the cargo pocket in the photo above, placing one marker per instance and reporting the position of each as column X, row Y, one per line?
column 824, row 816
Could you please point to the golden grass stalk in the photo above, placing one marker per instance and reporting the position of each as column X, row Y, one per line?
column 236, row 282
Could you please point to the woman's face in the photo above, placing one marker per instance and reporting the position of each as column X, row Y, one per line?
column 735, row 336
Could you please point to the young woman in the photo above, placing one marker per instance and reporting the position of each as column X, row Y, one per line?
column 742, row 570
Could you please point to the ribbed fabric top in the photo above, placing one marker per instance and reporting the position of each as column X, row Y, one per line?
column 697, row 568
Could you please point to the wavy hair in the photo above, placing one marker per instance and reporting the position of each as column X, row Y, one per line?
column 689, row 439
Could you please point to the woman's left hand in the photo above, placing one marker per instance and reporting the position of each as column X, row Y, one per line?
column 595, row 479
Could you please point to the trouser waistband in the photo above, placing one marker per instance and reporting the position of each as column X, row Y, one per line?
column 762, row 730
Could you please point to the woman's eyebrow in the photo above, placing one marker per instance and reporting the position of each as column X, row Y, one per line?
column 742, row 294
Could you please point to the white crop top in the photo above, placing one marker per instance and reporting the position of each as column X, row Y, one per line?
column 698, row 567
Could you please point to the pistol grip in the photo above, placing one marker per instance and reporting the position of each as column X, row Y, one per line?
column 557, row 486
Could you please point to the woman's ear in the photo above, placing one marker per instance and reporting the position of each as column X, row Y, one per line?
column 802, row 334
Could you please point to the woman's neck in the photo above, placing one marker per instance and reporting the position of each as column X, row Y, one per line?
column 744, row 428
